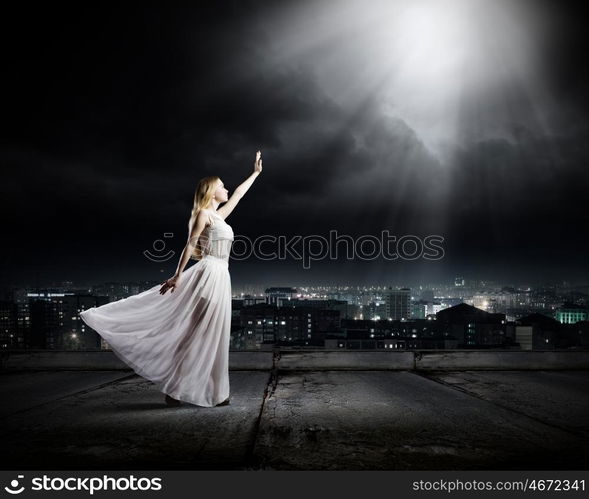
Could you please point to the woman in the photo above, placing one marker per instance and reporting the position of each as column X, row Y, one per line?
column 180, row 340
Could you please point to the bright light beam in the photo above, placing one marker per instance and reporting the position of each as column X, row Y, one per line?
column 439, row 65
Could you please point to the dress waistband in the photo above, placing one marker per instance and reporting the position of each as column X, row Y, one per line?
column 213, row 258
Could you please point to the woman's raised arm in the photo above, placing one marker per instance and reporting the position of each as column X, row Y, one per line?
column 241, row 189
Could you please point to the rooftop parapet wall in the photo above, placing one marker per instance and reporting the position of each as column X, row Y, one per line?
column 293, row 360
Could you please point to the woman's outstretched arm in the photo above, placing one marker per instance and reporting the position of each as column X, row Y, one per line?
column 195, row 232
column 241, row 189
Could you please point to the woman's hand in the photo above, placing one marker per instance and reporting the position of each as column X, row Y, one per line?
column 258, row 162
column 169, row 283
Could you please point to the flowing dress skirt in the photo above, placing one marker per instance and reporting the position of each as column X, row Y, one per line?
column 179, row 340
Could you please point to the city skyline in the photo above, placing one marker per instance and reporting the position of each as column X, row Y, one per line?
column 237, row 289
column 465, row 314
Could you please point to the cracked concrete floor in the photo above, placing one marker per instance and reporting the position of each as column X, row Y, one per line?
column 344, row 420
column 126, row 424
column 361, row 420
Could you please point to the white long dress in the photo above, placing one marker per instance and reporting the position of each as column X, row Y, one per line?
column 179, row 340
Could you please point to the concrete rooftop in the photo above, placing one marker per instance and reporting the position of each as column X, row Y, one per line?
column 304, row 410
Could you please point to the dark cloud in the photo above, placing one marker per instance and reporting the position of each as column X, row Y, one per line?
column 115, row 113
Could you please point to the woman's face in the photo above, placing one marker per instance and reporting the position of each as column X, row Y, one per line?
column 221, row 194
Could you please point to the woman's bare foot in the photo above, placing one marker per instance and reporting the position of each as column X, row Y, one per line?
column 172, row 401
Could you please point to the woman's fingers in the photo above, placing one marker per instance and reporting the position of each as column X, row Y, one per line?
column 167, row 284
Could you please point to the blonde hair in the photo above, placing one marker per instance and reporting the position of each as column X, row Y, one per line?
column 205, row 191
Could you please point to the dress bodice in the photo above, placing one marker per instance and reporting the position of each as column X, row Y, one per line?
column 216, row 238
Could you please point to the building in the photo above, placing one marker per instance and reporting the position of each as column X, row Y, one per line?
column 55, row 322
column 346, row 309
column 253, row 300
column 296, row 325
column 258, row 326
column 375, row 310
column 397, row 304
column 419, row 309
column 472, row 327
column 389, row 335
column 278, row 295
column 9, row 334
column 570, row 313
column 537, row 332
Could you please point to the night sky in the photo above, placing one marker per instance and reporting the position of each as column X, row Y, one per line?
column 467, row 123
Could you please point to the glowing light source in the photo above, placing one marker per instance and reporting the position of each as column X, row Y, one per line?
column 436, row 64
